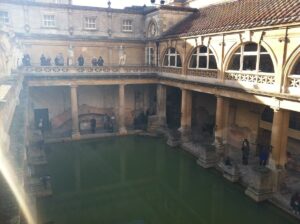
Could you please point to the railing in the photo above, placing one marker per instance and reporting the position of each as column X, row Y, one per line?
column 88, row 69
column 294, row 81
column 170, row 70
column 259, row 78
column 203, row 73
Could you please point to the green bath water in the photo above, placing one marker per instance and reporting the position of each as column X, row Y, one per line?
column 140, row 180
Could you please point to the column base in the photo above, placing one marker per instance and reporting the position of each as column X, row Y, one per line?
column 230, row 172
column 260, row 187
column 207, row 157
column 185, row 134
column 122, row 131
column 76, row 135
column 156, row 124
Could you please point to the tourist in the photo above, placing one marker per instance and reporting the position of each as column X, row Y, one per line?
column 26, row 60
column 48, row 61
column 264, row 151
column 59, row 60
column 94, row 61
column 80, row 60
column 227, row 161
column 295, row 203
column 41, row 126
column 100, row 61
column 43, row 60
column 112, row 123
column 93, row 125
column 245, row 151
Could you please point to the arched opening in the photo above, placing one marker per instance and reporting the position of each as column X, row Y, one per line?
column 172, row 58
column 296, row 68
column 251, row 57
column 202, row 58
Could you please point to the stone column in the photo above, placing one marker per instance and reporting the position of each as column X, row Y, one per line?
column 222, row 111
column 161, row 104
column 279, row 138
column 122, row 128
column 186, row 114
column 74, row 106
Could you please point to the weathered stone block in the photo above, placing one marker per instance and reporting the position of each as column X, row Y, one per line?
column 260, row 187
column 207, row 156
column 230, row 172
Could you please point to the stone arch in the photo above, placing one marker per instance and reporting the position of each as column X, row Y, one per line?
column 190, row 52
column 237, row 45
column 150, row 23
column 292, row 60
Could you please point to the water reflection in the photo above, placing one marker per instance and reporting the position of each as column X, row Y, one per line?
column 137, row 180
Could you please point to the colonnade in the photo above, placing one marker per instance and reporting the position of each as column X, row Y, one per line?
column 75, row 115
column 280, row 124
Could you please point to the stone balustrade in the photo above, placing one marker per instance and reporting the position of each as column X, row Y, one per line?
column 203, row 73
column 88, row 69
column 172, row 70
column 259, row 78
column 294, row 81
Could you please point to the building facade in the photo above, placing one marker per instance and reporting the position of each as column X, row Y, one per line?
column 219, row 74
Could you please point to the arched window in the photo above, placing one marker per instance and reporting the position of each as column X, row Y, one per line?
column 203, row 58
column 251, row 57
column 172, row 58
column 296, row 69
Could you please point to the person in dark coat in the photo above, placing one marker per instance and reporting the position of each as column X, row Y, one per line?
column 93, row 125
column 295, row 203
column 245, row 151
column 80, row 60
column 43, row 60
column 94, row 61
column 100, row 61
column 264, row 154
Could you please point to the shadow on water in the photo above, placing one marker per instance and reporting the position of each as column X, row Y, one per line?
column 139, row 180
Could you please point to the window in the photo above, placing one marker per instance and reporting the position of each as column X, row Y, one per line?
column 127, row 25
column 203, row 58
column 90, row 23
column 252, row 57
column 172, row 58
column 49, row 21
column 296, row 69
column 4, row 17
column 150, row 60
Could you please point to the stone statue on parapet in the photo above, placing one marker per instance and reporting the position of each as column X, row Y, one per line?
column 122, row 56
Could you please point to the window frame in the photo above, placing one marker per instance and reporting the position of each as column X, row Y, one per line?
column 44, row 25
column 296, row 64
column 127, row 25
column 169, row 54
column 6, row 18
column 196, row 53
column 150, row 56
column 242, row 54
column 87, row 23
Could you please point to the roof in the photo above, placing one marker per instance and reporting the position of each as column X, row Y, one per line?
column 236, row 15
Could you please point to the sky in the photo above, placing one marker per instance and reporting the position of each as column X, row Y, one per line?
column 114, row 3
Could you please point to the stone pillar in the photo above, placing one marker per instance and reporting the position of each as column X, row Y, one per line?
column 74, row 106
column 161, row 105
column 122, row 128
column 186, row 114
column 219, row 121
column 279, row 138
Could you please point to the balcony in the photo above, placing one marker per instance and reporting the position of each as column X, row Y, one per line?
column 251, row 80
column 294, row 84
column 72, row 70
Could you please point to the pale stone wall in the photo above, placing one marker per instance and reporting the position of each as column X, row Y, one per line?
column 56, row 99
column 109, row 52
